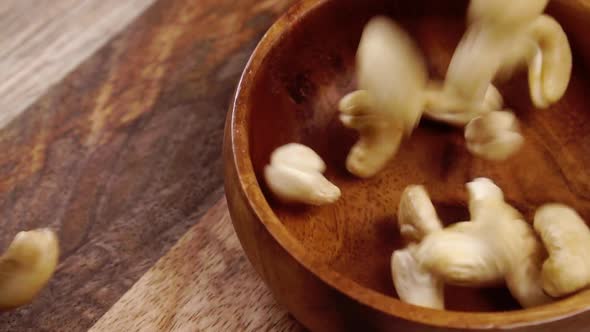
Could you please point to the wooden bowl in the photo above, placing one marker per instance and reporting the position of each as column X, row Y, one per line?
column 330, row 265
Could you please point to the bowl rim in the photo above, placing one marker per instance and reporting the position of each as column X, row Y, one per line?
column 249, row 186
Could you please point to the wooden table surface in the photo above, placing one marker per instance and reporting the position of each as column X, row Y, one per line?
column 111, row 117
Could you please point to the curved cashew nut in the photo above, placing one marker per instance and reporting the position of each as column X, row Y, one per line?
column 551, row 67
column 26, row 267
column 461, row 256
column 503, row 35
column 494, row 136
column 295, row 175
column 416, row 216
column 413, row 283
column 448, row 107
column 496, row 246
column 567, row 238
column 379, row 139
column 391, row 78
column 484, row 197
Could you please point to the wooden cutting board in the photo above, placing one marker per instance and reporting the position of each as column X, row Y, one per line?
column 122, row 158
column 204, row 283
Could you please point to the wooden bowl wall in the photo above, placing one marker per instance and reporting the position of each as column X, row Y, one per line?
column 330, row 265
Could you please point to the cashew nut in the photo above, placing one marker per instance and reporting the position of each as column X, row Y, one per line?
column 391, row 78
column 494, row 136
column 295, row 175
column 448, row 107
column 567, row 239
column 462, row 256
column 551, row 67
column 496, row 246
column 414, row 284
column 501, row 36
column 505, row 13
column 379, row 140
column 416, row 216
column 26, row 267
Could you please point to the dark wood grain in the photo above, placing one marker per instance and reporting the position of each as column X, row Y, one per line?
column 341, row 252
column 124, row 155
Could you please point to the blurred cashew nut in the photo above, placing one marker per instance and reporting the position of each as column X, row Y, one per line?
column 416, row 216
column 388, row 105
column 413, row 283
column 496, row 246
column 567, row 238
column 26, row 267
column 551, row 66
column 494, row 136
column 448, row 107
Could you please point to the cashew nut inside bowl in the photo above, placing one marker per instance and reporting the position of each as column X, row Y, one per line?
column 26, row 267
column 567, row 238
column 295, row 175
column 496, row 247
column 494, row 136
column 449, row 107
column 413, row 283
column 388, row 105
column 503, row 35
column 394, row 90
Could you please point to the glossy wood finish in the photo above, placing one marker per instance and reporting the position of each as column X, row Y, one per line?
column 330, row 265
column 124, row 155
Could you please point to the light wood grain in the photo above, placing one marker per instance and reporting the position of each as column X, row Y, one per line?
column 42, row 40
column 204, row 283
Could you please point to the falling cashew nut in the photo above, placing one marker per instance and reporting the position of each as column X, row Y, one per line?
column 26, row 267
column 388, row 105
column 504, row 35
column 497, row 246
column 494, row 136
column 295, row 176
column 567, row 239
column 448, row 107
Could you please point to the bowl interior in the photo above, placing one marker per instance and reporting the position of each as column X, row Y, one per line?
column 294, row 99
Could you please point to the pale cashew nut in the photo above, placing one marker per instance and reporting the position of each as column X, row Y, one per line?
column 26, row 267
column 551, row 67
column 461, row 256
column 392, row 77
column 295, row 176
column 496, row 246
column 414, row 284
column 567, row 239
column 379, row 138
column 504, row 35
column 416, row 216
column 448, row 107
column 524, row 278
column 494, row 136
column 505, row 13
column 486, row 201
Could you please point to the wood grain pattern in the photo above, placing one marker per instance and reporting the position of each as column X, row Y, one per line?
column 204, row 283
column 42, row 40
column 124, row 155
column 341, row 252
